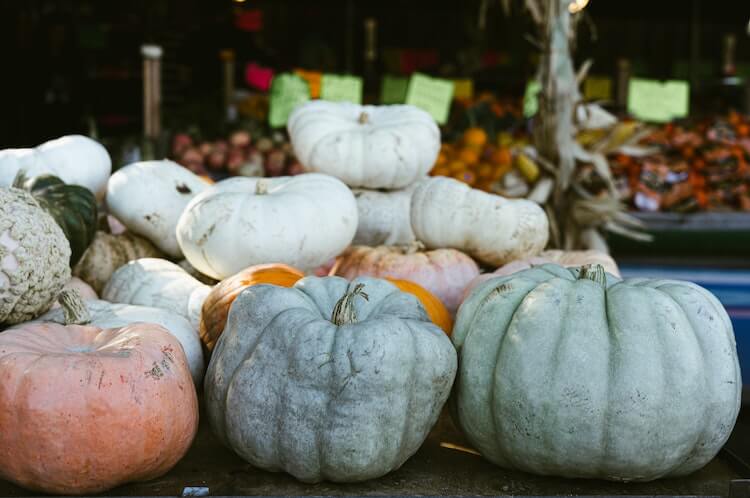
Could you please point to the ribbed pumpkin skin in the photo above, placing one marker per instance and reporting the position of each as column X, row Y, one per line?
column 558, row 376
column 432, row 305
column 219, row 300
column 291, row 388
column 73, row 207
column 86, row 409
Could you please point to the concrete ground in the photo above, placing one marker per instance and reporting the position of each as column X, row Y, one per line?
column 434, row 470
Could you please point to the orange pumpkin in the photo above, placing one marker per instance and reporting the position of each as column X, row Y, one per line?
column 432, row 305
column 468, row 156
column 219, row 300
column 87, row 409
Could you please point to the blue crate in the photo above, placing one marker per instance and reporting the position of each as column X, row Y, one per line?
column 731, row 286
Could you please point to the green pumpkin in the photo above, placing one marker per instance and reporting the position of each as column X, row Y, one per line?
column 576, row 373
column 72, row 206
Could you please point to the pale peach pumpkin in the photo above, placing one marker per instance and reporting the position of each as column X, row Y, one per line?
column 562, row 258
column 86, row 409
column 444, row 272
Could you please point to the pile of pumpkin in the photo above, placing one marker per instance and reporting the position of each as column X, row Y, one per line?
column 551, row 370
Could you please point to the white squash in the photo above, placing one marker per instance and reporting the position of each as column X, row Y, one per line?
column 302, row 221
column 365, row 146
column 493, row 229
column 160, row 284
column 148, row 198
column 384, row 217
column 75, row 159
column 111, row 315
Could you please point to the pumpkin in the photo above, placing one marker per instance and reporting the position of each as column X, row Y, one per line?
column 384, row 217
column 220, row 298
column 444, row 272
column 104, row 314
column 365, row 146
column 576, row 373
column 86, row 409
column 492, row 229
column 562, row 258
column 158, row 283
column 75, row 159
column 362, row 371
column 109, row 252
column 34, row 257
column 73, row 207
column 432, row 305
column 148, row 198
column 302, row 221
column 84, row 289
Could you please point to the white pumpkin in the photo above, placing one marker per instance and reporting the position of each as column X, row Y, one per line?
column 111, row 315
column 493, row 229
column 75, row 159
column 384, row 217
column 365, row 146
column 160, row 284
column 148, row 198
column 302, row 221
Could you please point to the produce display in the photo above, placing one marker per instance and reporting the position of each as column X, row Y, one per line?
column 379, row 376
column 73, row 207
column 302, row 221
column 217, row 303
column 311, row 301
column 72, row 396
column 149, row 197
column 75, row 159
column 34, row 256
column 443, row 272
column 575, row 373
column 492, row 229
column 693, row 166
column 372, row 147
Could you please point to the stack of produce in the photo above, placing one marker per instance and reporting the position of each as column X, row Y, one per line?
column 694, row 166
column 365, row 362
column 244, row 153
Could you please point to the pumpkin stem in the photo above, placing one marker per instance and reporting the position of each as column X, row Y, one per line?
column 73, row 307
column 343, row 312
column 413, row 247
column 595, row 273
column 261, row 188
column 364, row 118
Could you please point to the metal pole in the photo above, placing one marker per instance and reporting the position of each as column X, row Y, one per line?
column 151, row 90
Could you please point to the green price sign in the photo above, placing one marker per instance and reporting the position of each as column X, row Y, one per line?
column 287, row 92
column 531, row 98
column 657, row 101
column 341, row 88
column 433, row 95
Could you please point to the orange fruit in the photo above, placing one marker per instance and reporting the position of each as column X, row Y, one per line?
column 475, row 137
column 442, row 159
column 502, row 156
column 468, row 156
column 440, row 171
column 485, row 171
column 456, row 166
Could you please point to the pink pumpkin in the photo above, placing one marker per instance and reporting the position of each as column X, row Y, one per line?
column 444, row 272
column 87, row 409
column 563, row 258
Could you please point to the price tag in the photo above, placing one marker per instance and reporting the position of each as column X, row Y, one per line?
column 313, row 80
column 597, row 88
column 341, row 88
column 393, row 90
column 531, row 98
column 658, row 102
column 287, row 92
column 463, row 89
column 433, row 95
column 258, row 76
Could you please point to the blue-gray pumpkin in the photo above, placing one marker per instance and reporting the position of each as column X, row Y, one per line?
column 573, row 372
column 329, row 379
